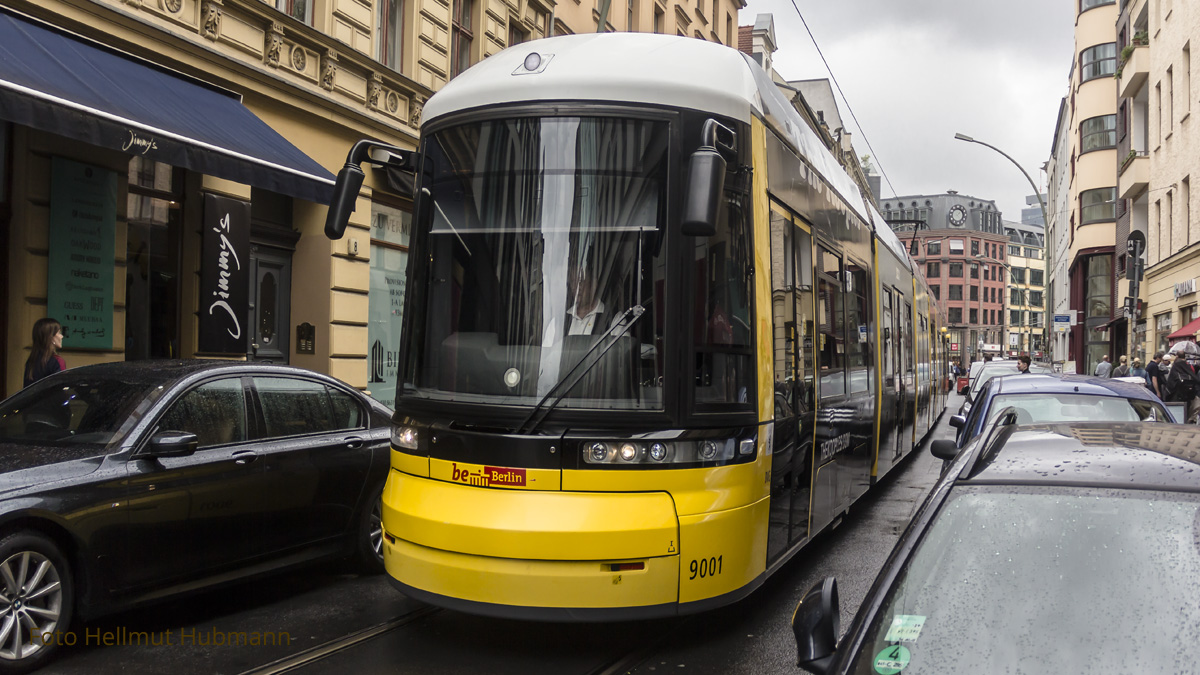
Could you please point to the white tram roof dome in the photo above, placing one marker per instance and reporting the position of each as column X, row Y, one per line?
column 635, row 67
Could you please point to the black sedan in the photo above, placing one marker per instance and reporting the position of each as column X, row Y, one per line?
column 1058, row 548
column 124, row 483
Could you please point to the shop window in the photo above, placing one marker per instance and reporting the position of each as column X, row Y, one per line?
column 154, row 212
column 390, row 231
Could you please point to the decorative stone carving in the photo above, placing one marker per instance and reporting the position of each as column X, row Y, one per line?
column 211, row 10
column 299, row 58
column 135, row 3
column 328, row 69
column 414, row 110
column 393, row 102
column 172, row 6
column 274, row 46
column 374, row 91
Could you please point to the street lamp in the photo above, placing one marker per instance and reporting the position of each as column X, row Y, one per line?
column 1045, row 218
column 1024, row 303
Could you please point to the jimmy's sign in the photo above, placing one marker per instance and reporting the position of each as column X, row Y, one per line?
column 225, row 276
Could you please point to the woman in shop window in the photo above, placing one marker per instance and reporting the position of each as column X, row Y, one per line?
column 43, row 358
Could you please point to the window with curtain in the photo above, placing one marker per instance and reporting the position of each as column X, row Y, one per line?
column 1098, row 205
column 389, row 33
column 461, row 36
column 1099, row 133
column 1098, row 61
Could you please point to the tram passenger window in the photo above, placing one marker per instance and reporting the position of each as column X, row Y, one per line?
column 832, row 324
column 859, row 326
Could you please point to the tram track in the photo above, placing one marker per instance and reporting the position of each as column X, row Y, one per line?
column 325, row 650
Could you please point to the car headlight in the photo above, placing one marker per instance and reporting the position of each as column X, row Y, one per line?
column 404, row 437
column 663, row 453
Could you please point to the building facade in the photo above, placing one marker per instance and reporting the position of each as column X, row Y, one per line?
column 959, row 243
column 1026, row 292
column 109, row 196
column 1156, row 100
column 1084, row 184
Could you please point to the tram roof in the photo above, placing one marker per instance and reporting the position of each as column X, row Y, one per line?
column 666, row 70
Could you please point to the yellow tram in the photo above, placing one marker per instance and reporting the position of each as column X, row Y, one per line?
column 655, row 338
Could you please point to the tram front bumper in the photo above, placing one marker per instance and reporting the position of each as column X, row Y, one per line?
column 496, row 551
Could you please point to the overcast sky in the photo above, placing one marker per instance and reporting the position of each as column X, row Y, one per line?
column 917, row 71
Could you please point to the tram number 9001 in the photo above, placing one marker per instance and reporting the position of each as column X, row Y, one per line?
column 706, row 567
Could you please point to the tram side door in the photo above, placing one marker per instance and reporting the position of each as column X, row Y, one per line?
column 792, row 428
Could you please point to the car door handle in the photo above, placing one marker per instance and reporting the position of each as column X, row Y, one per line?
column 353, row 441
column 244, row 457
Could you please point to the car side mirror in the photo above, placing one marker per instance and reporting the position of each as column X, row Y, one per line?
column 944, row 449
column 815, row 624
column 172, row 444
column 958, row 421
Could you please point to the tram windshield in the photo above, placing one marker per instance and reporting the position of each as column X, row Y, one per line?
column 544, row 237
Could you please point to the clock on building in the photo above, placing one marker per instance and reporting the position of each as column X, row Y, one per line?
column 958, row 215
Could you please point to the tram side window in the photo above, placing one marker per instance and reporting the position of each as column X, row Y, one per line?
column 723, row 303
column 859, row 350
column 831, row 318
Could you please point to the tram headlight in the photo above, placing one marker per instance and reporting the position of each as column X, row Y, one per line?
column 667, row 453
column 598, row 453
column 404, row 437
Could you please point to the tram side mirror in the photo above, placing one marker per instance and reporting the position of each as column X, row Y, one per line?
column 350, row 179
column 815, row 624
column 345, row 195
column 706, row 180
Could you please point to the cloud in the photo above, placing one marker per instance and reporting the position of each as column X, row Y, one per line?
column 916, row 72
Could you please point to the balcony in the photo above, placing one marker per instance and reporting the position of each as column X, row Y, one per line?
column 1134, row 72
column 1135, row 176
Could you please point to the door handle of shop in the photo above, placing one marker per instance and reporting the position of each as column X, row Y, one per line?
column 244, row 457
column 353, row 442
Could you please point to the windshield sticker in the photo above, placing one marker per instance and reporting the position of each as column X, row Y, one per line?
column 892, row 660
column 905, row 628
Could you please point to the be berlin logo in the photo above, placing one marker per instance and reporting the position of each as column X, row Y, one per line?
column 184, row 637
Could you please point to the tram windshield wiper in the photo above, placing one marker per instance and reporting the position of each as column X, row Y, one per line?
column 567, row 382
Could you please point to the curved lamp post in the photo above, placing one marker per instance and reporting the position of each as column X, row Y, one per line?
column 1045, row 222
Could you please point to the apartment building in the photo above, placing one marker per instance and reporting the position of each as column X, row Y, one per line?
column 1156, row 100
column 1086, row 189
column 959, row 242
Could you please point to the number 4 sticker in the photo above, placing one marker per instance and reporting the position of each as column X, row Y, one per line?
column 892, row 660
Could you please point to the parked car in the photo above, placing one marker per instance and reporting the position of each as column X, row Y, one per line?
column 128, row 482
column 1044, row 549
column 994, row 369
column 1052, row 397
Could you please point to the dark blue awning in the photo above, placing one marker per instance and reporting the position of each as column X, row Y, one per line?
column 67, row 85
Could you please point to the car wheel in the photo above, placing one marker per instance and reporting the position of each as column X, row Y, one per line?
column 370, row 534
column 36, row 598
